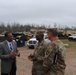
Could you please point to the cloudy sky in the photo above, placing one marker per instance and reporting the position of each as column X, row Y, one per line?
column 38, row 11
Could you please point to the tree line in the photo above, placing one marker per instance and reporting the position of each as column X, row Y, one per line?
column 16, row 27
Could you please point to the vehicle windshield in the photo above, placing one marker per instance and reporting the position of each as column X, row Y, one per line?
column 46, row 37
column 73, row 34
column 34, row 36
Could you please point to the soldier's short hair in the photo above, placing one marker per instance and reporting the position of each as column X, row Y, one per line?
column 53, row 31
column 40, row 33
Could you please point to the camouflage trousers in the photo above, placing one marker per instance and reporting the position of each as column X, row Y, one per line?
column 51, row 73
column 54, row 73
column 38, row 71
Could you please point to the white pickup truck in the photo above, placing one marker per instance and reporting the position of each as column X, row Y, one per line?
column 72, row 37
column 32, row 42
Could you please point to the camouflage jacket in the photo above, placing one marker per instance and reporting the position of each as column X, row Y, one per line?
column 55, row 58
column 39, row 53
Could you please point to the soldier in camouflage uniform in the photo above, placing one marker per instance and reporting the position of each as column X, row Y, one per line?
column 38, row 56
column 54, row 64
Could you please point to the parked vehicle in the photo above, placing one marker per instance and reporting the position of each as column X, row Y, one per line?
column 31, row 43
column 72, row 37
column 2, row 38
column 20, row 39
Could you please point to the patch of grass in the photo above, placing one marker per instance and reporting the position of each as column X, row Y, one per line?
column 71, row 44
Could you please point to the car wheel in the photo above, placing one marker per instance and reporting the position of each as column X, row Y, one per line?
column 69, row 39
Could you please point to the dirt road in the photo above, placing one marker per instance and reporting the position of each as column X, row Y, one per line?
column 24, row 65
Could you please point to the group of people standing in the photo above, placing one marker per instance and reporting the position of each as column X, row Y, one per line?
column 48, row 58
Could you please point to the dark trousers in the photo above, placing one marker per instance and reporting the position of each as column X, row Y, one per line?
column 13, row 70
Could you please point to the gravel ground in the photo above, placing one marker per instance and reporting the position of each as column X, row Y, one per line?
column 24, row 65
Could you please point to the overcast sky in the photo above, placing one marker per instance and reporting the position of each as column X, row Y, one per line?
column 38, row 11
